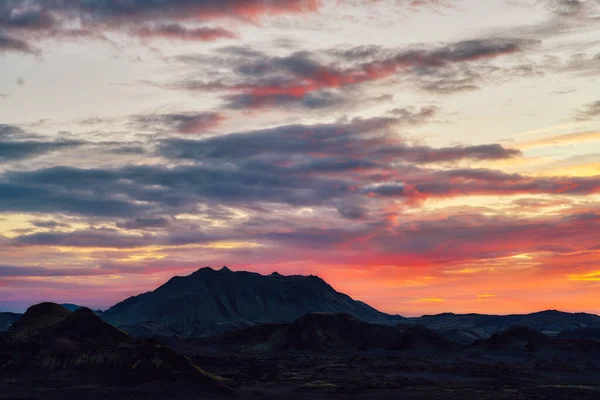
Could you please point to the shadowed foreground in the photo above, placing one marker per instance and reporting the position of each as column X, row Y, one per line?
column 53, row 353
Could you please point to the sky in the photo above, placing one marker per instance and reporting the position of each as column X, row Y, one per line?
column 423, row 156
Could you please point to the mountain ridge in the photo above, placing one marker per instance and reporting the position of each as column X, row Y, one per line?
column 210, row 301
column 551, row 322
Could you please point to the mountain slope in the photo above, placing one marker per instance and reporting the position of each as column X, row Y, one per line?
column 51, row 342
column 521, row 340
column 7, row 319
column 549, row 322
column 326, row 333
column 209, row 301
column 75, row 307
column 582, row 333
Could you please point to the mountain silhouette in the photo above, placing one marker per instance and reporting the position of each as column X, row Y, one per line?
column 520, row 340
column 335, row 333
column 75, row 307
column 51, row 342
column 550, row 322
column 210, row 301
column 7, row 319
column 582, row 333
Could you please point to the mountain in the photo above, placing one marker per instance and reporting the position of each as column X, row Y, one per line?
column 521, row 340
column 516, row 337
column 209, row 301
column 75, row 307
column 459, row 335
column 549, row 322
column 327, row 333
column 53, row 344
column 582, row 333
column 149, row 330
column 7, row 319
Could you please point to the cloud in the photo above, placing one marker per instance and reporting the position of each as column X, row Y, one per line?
column 15, row 144
column 145, row 223
column 11, row 44
column 185, row 123
column 560, row 140
column 49, row 224
column 565, row 8
column 308, row 79
column 293, row 165
column 9, row 271
column 179, row 32
column 93, row 237
column 323, row 99
column 482, row 182
column 588, row 112
column 357, row 144
column 38, row 20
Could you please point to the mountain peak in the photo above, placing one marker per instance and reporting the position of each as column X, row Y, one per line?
column 217, row 300
column 37, row 318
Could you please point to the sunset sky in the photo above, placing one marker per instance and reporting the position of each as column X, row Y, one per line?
column 420, row 155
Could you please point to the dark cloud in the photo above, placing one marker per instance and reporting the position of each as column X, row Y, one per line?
column 16, row 144
column 12, row 44
column 482, row 182
column 314, row 80
column 565, row 7
column 100, row 237
column 323, row 99
column 291, row 165
column 412, row 116
column 180, row 123
column 353, row 145
column 145, row 223
column 9, row 271
column 37, row 20
column 10, row 151
column 156, row 190
column 48, row 224
column 47, row 199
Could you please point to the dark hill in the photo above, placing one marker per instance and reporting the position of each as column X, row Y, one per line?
column 35, row 321
column 518, row 337
column 549, row 322
column 53, row 343
column 335, row 333
column 583, row 333
column 209, row 301
column 459, row 335
column 7, row 319
column 520, row 340
column 75, row 307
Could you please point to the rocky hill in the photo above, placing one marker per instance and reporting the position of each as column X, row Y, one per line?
column 210, row 301
column 550, row 322
column 7, row 319
column 582, row 333
column 52, row 343
column 327, row 333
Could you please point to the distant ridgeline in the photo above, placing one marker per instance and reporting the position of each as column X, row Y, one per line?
column 210, row 301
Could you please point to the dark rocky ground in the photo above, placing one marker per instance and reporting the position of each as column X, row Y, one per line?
column 53, row 353
column 458, row 375
column 314, row 376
